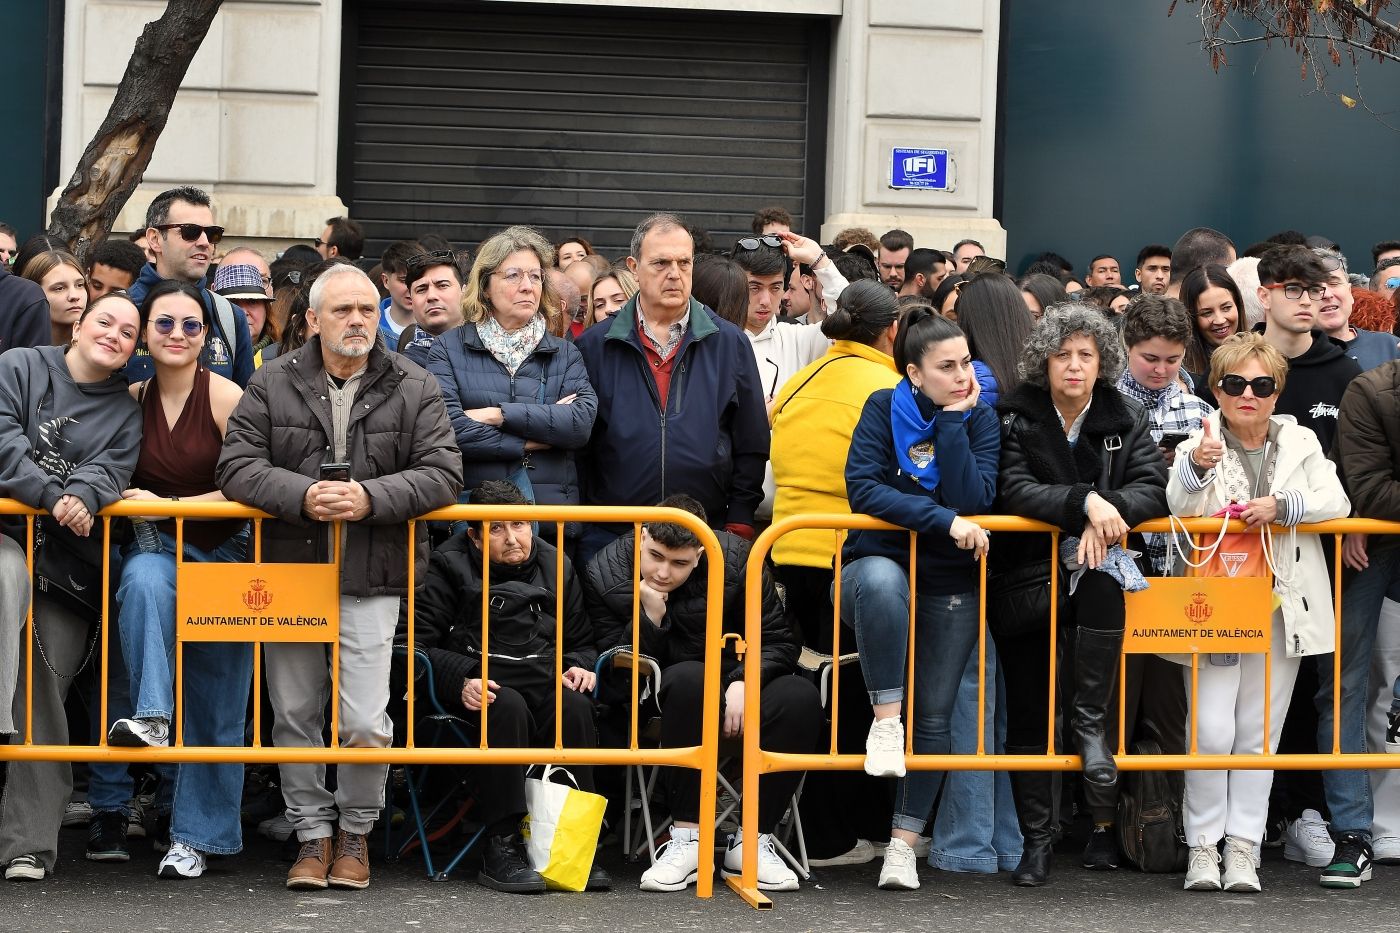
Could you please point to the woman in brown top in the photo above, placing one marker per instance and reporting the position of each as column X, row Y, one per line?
column 185, row 410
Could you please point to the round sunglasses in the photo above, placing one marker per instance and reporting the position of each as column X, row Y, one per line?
column 1233, row 385
column 190, row 327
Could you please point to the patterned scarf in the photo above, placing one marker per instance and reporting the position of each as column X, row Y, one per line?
column 511, row 347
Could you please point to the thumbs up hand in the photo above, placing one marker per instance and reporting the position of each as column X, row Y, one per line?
column 1207, row 454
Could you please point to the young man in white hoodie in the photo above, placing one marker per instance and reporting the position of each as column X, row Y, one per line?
column 780, row 349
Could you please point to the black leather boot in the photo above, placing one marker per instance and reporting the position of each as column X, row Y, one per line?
column 1034, row 792
column 503, row 867
column 1096, row 663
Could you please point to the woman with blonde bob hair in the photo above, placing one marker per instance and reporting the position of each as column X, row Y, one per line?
column 1267, row 469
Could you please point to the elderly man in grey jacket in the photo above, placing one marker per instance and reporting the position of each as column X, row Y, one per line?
column 341, row 400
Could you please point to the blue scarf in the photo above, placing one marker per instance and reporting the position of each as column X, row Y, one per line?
column 913, row 434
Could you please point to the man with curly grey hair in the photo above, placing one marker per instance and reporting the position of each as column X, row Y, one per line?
column 1079, row 455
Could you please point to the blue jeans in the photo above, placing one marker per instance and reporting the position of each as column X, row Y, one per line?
column 1349, row 792
column 875, row 603
column 206, row 797
column 976, row 828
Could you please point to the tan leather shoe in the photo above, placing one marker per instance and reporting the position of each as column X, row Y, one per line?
column 312, row 864
column 351, row 866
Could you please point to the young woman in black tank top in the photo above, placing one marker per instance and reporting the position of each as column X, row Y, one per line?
column 185, row 409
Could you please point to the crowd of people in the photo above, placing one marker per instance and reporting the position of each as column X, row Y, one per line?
column 776, row 378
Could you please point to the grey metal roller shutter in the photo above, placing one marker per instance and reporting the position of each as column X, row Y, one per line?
column 465, row 119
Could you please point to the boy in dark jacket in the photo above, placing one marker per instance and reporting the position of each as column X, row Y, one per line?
column 673, row 610
column 521, row 643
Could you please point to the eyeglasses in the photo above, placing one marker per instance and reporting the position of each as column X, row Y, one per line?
column 1262, row 386
column 190, row 232
column 757, row 242
column 190, row 327
column 1392, row 283
column 1293, row 291
column 516, row 277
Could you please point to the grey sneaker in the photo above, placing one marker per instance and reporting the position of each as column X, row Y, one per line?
column 135, row 733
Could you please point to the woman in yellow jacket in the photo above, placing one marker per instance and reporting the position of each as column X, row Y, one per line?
column 814, row 416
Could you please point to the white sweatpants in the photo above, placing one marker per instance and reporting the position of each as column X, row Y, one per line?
column 1230, row 701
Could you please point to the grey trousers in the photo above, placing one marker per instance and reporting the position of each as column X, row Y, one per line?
column 14, row 601
column 36, row 792
column 299, row 685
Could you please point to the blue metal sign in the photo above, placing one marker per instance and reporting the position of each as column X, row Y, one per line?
column 919, row 168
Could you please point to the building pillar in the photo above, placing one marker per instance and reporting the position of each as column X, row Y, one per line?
column 915, row 74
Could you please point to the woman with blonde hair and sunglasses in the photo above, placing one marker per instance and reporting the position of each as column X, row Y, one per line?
column 1269, row 470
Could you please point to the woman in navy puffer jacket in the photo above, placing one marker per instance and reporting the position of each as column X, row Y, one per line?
column 519, row 397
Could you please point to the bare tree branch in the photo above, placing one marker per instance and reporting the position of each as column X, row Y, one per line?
column 116, row 159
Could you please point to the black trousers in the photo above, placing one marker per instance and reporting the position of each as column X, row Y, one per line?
column 791, row 711
column 522, row 716
column 838, row 807
column 1097, row 605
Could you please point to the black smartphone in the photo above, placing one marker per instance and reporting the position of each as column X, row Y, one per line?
column 1169, row 441
column 339, row 472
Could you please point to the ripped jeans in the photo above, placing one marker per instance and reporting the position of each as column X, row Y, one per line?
column 875, row 603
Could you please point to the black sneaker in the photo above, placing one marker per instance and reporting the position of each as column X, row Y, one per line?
column 1392, row 732
column 159, row 832
column 1273, row 833
column 598, row 879
column 1351, row 863
column 504, row 868
column 107, row 837
column 1101, row 854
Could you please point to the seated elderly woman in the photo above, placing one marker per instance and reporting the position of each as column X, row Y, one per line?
column 1272, row 470
column 1077, row 454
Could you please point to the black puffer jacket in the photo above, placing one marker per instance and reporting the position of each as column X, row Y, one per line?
column 1042, row 478
column 607, row 586
column 522, row 633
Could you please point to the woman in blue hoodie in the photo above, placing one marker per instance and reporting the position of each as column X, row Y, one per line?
column 69, row 435
column 923, row 455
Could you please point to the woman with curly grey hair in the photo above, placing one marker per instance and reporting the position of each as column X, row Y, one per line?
column 1077, row 454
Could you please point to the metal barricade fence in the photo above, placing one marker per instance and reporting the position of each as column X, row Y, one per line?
column 758, row 762
column 703, row 757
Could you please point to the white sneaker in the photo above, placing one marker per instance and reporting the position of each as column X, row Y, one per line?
column 900, row 870
column 181, row 861
column 1307, row 840
column 920, row 846
column 884, row 748
column 1385, row 850
column 677, row 864
column 860, row 853
column 134, row 733
column 24, row 868
column 1240, row 875
column 773, row 873
column 1203, row 868
column 277, row 828
column 77, row 813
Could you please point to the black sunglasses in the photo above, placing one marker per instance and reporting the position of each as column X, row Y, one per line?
column 1233, row 385
column 190, row 232
column 756, row 242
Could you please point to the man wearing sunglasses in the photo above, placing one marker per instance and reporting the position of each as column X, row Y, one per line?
column 1292, row 286
column 181, row 236
column 1386, row 279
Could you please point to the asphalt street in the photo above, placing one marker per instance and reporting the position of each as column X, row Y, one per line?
column 245, row 893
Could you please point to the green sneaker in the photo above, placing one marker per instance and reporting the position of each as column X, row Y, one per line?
column 1351, row 864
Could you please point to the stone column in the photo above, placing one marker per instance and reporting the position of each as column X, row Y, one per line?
column 919, row 74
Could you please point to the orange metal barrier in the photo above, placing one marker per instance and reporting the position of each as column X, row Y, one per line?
column 704, row 757
column 758, row 762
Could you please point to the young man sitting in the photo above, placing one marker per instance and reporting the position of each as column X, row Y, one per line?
column 673, row 575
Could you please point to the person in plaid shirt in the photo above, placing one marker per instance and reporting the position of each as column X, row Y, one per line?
column 1155, row 331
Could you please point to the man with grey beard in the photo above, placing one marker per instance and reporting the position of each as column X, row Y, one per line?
column 340, row 431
